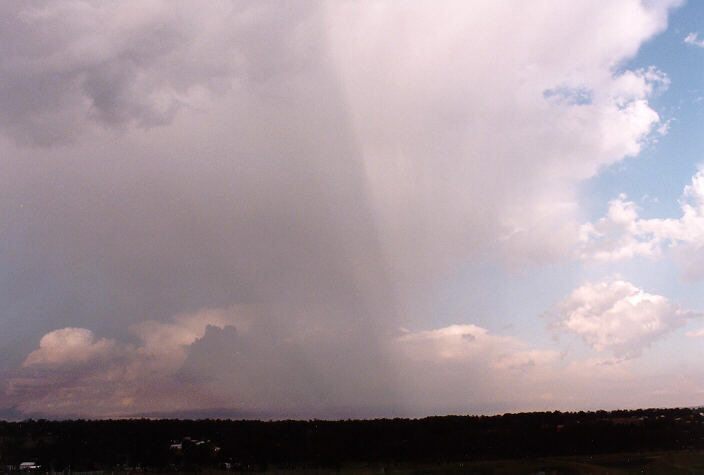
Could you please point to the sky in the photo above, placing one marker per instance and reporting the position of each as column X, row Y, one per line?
column 334, row 209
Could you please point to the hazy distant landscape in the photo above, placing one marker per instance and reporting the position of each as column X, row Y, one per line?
column 566, row 442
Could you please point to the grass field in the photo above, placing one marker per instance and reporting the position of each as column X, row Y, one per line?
column 676, row 462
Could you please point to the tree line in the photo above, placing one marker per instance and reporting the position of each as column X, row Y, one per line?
column 173, row 444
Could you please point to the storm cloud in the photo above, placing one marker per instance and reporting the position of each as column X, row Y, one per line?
column 293, row 179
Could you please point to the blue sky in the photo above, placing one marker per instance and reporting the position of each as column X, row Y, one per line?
column 350, row 209
column 662, row 169
column 654, row 179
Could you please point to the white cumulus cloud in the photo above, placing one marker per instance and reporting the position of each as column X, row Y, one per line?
column 618, row 316
column 70, row 346
column 471, row 343
column 622, row 234
column 693, row 39
column 74, row 373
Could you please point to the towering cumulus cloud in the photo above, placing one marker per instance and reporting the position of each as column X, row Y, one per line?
column 238, row 204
